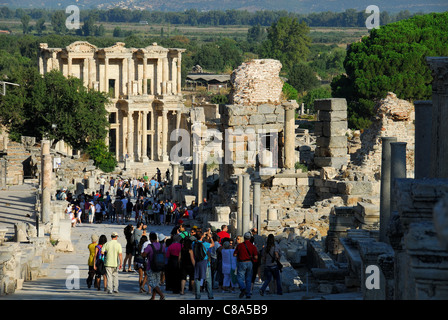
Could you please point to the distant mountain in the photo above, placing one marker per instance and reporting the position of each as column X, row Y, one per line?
column 299, row 6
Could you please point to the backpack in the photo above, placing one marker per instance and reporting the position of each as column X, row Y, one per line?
column 199, row 251
column 158, row 259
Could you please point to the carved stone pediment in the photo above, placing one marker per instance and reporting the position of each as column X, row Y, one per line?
column 81, row 47
column 116, row 48
column 155, row 48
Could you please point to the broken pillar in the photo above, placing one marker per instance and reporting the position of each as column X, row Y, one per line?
column 256, row 203
column 239, row 213
column 200, row 183
column 385, row 185
column 289, row 133
column 246, row 204
column 423, row 125
column 46, row 164
column 397, row 169
column 175, row 180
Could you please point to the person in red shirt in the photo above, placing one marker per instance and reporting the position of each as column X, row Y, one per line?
column 223, row 233
column 246, row 253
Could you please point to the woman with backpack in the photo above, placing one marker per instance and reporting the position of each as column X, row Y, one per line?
column 98, row 265
column 155, row 261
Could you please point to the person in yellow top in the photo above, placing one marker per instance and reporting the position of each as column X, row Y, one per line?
column 113, row 262
column 91, row 248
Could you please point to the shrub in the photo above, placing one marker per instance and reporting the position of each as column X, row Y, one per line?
column 101, row 156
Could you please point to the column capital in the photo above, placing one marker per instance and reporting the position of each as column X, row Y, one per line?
column 439, row 70
column 290, row 105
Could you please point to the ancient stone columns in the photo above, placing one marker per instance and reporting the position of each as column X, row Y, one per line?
column 130, row 133
column 246, row 204
column 289, row 134
column 385, row 185
column 46, row 164
column 164, row 135
column 145, row 76
column 145, row 136
column 256, row 203
column 200, row 183
column 175, row 182
column 439, row 137
column 179, row 74
column 239, row 213
column 398, row 168
column 106, row 77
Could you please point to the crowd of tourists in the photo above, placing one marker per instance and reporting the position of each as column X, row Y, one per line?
column 126, row 199
column 187, row 260
column 191, row 260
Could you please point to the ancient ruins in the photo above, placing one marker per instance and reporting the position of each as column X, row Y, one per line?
column 340, row 203
column 145, row 88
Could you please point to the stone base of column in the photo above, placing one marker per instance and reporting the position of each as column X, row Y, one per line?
column 144, row 159
column 288, row 170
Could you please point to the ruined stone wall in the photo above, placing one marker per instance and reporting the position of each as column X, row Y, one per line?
column 245, row 126
column 256, row 82
column 393, row 118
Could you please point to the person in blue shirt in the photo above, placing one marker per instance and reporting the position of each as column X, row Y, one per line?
column 152, row 187
column 202, row 270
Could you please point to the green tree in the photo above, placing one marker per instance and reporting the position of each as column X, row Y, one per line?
column 231, row 55
column 287, row 41
column 391, row 59
column 316, row 93
column 302, row 77
column 99, row 153
column 40, row 26
column 54, row 106
column 88, row 28
column 25, row 20
column 209, row 57
column 256, row 34
column 289, row 92
column 118, row 32
column 58, row 22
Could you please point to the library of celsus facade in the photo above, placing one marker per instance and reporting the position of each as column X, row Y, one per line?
column 145, row 89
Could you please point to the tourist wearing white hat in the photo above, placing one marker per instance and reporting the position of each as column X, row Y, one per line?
column 113, row 262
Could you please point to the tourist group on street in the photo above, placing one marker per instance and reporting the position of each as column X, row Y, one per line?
column 195, row 260
column 188, row 260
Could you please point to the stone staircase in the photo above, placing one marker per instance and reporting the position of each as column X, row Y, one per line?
column 15, row 156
